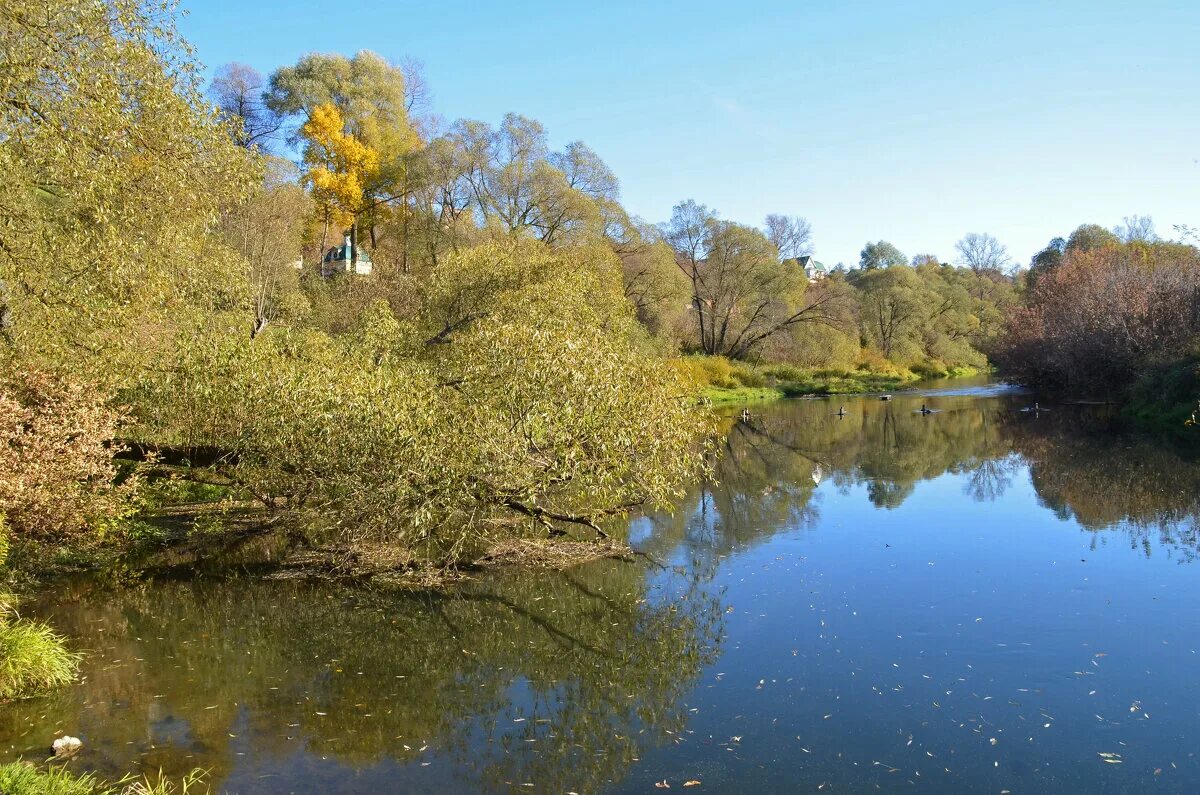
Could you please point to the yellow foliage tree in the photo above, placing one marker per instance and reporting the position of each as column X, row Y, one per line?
column 340, row 166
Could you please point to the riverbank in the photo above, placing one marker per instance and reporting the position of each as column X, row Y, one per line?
column 723, row 383
column 1164, row 400
column 33, row 658
column 271, row 683
column 1167, row 399
column 22, row 778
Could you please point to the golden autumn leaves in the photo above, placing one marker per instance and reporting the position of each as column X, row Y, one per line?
column 339, row 165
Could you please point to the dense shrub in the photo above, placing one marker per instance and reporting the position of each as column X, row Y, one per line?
column 871, row 361
column 56, row 467
column 783, row 372
column 1105, row 315
column 707, row 371
column 1168, row 396
column 517, row 396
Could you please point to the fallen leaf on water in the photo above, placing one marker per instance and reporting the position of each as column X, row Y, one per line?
column 662, row 784
column 694, row 783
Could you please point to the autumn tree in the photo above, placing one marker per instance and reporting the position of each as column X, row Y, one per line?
column 266, row 229
column 1136, row 229
column 741, row 293
column 894, row 304
column 986, row 257
column 653, row 284
column 982, row 253
column 371, row 109
column 114, row 169
column 443, row 218
column 238, row 92
column 339, row 169
column 519, row 186
column 790, row 234
column 1090, row 236
column 880, row 255
column 1104, row 315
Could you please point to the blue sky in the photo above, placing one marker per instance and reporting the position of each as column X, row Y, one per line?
column 912, row 122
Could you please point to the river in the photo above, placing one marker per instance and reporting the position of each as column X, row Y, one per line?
column 981, row 599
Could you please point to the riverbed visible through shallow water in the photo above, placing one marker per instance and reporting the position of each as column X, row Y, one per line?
column 980, row 599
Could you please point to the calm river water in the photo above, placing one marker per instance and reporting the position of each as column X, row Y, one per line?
column 982, row 599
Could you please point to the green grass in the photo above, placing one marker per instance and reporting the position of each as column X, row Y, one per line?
column 724, row 383
column 161, row 492
column 20, row 778
column 33, row 659
column 4, row 541
column 852, row 383
column 718, row 396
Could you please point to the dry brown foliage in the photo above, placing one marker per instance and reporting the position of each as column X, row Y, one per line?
column 1104, row 315
column 56, row 458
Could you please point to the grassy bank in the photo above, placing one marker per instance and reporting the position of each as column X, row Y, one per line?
column 33, row 658
column 20, row 778
column 721, row 396
column 724, row 382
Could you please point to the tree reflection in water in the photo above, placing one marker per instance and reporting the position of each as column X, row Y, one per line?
column 553, row 678
column 1080, row 464
column 561, row 680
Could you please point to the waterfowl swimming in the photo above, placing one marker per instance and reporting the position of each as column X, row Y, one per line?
column 925, row 410
column 745, row 415
column 841, row 412
column 885, row 397
column 1034, row 407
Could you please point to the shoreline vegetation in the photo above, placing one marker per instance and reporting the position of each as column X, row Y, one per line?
column 723, row 382
column 430, row 346
column 33, row 658
column 421, row 342
column 1113, row 315
column 26, row 778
